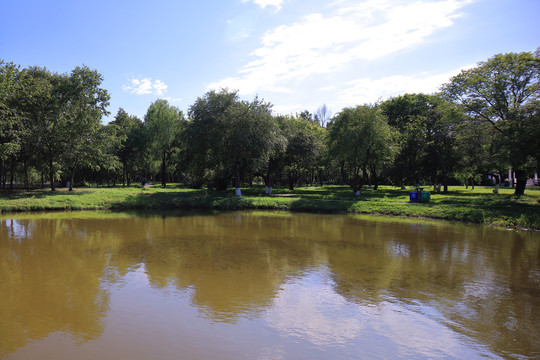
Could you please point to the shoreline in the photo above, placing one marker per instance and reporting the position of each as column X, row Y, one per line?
column 477, row 206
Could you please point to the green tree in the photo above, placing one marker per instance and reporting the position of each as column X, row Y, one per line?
column 271, row 170
column 498, row 91
column 475, row 152
column 86, row 104
column 250, row 137
column 362, row 142
column 163, row 124
column 427, row 150
column 305, row 145
column 63, row 114
column 131, row 143
column 205, row 141
column 10, row 126
column 44, row 98
column 228, row 139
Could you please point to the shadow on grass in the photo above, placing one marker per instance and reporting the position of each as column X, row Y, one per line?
column 164, row 200
column 336, row 192
column 40, row 194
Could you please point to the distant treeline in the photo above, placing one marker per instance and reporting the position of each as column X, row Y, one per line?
column 483, row 122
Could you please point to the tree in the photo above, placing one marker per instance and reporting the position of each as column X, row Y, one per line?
column 227, row 138
column 205, row 141
column 323, row 115
column 475, row 152
column 63, row 114
column 163, row 123
column 131, row 143
column 426, row 127
column 362, row 141
column 10, row 129
column 86, row 104
column 276, row 157
column 250, row 137
column 498, row 91
column 44, row 98
column 304, row 147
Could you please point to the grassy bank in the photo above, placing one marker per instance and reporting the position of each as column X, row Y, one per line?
column 478, row 206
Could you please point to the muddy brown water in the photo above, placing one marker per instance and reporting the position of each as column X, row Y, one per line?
column 264, row 285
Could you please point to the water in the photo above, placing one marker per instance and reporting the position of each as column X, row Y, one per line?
column 264, row 286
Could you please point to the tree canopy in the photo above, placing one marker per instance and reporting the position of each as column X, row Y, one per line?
column 361, row 140
column 483, row 122
column 502, row 91
column 163, row 124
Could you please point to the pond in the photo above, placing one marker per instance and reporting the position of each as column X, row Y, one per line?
column 264, row 285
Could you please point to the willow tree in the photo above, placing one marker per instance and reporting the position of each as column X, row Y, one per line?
column 228, row 139
column 362, row 142
column 163, row 123
column 503, row 91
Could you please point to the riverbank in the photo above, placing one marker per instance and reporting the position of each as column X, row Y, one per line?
column 459, row 204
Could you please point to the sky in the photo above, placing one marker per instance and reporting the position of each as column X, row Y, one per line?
column 295, row 54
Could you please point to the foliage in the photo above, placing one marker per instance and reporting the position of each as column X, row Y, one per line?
column 86, row 104
column 485, row 121
column 361, row 139
column 305, row 146
column 427, row 127
column 9, row 130
column 502, row 91
column 163, row 124
column 227, row 138
column 131, row 144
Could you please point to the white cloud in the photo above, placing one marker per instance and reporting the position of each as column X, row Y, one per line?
column 160, row 88
column 146, row 86
column 368, row 90
column 326, row 43
column 302, row 311
column 264, row 3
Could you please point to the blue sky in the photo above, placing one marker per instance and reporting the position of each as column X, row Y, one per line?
column 296, row 54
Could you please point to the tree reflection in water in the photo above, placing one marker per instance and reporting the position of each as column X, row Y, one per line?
column 329, row 280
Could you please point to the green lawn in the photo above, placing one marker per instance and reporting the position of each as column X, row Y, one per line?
column 479, row 205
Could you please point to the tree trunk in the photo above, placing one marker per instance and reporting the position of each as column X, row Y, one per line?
column 292, row 177
column 356, row 184
column 25, row 165
column 11, row 174
column 51, row 175
column 71, row 180
column 521, row 182
column 374, row 178
column 123, row 174
column 1, row 171
column 511, row 177
column 237, row 181
column 163, row 171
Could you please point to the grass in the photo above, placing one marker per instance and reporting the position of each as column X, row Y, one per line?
column 478, row 206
